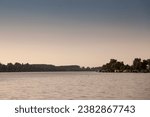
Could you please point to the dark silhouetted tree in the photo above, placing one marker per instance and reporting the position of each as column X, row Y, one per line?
column 137, row 64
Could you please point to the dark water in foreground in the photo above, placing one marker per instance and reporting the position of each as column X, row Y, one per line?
column 74, row 85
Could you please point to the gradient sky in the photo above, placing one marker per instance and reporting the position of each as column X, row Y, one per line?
column 82, row 32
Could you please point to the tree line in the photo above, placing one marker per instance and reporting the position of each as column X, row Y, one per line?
column 114, row 65
column 18, row 67
column 138, row 65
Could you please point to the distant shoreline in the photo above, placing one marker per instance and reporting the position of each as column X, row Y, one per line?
column 114, row 66
column 72, row 71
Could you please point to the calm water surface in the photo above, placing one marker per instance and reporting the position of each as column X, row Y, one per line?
column 74, row 85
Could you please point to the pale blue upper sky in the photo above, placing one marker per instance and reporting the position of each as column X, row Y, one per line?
column 83, row 32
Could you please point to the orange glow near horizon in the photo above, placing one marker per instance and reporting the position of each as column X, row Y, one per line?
column 90, row 46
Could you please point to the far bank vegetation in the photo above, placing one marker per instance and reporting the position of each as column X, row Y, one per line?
column 114, row 65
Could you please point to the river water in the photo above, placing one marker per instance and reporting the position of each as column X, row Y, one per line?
column 74, row 85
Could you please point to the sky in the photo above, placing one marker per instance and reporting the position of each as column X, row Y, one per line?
column 74, row 32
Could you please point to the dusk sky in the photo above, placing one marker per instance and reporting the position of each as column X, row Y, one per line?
column 81, row 32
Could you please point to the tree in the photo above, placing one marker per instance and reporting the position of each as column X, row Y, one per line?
column 148, row 63
column 144, row 64
column 137, row 64
column 1, row 66
column 112, row 61
column 18, row 66
column 10, row 67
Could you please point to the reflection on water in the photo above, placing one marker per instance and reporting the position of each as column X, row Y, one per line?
column 74, row 85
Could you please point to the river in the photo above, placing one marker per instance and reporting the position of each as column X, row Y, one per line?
column 74, row 85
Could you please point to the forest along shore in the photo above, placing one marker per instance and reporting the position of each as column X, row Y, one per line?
column 138, row 66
